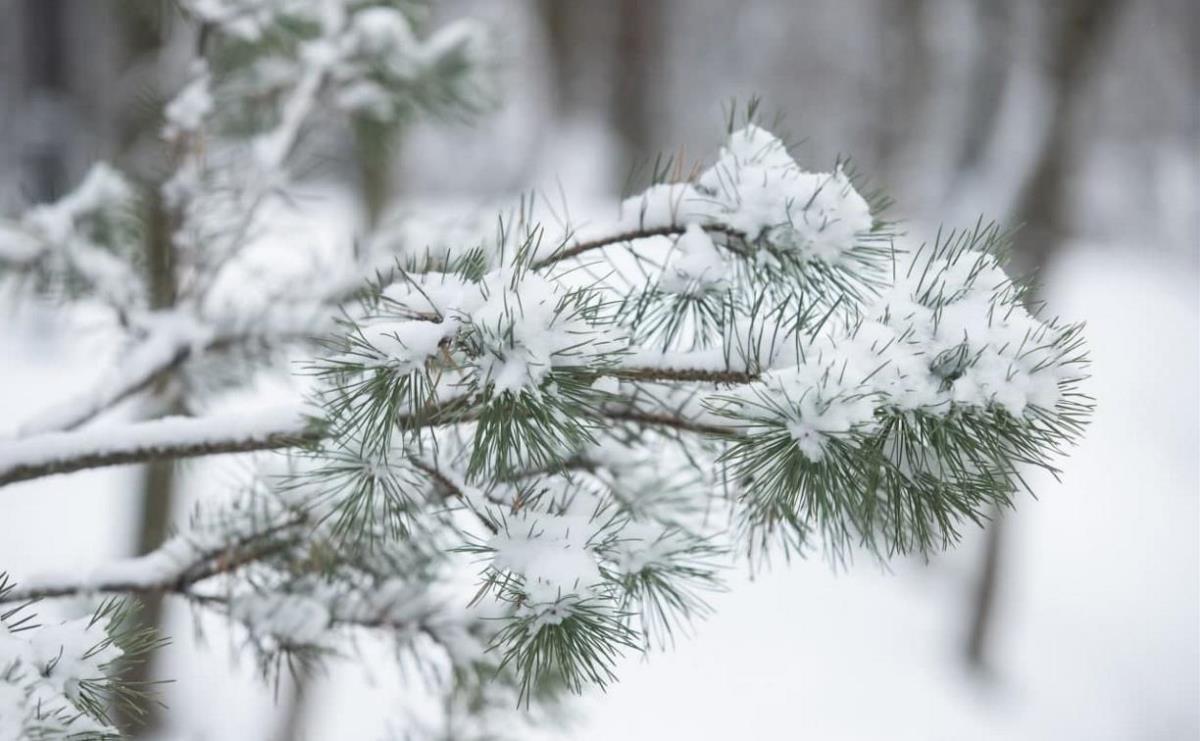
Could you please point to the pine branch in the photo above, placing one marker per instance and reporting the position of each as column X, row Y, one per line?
column 168, row 438
column 683, row 374
column 668, row 421
column 174, row 567
column 569, row 419
column 285, row 427
column 569, row 249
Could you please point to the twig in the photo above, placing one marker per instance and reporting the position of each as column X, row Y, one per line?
column 673, row 230
column 687, row 375
column 174, row 438
column 167, row 438
column 205, row 564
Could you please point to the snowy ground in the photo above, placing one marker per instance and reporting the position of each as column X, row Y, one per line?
column 1100, row 609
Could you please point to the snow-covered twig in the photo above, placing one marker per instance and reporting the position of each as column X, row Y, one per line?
column 171, row 438
column 167, row 345
column 172, row 339
column 572, row 248
column 162, row 439
column 175, row 567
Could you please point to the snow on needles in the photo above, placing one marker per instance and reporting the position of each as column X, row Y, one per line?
column 756, row 188
column 43, row 670
column 521, row 324
column 553, row 553
column 950, row 334
column 757, row 191
column 697, row 265
column 526, row 329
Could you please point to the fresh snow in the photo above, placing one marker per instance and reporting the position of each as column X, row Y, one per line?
column 755, row 189
column 43, row 668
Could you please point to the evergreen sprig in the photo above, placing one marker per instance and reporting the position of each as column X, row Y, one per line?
column 750, row 359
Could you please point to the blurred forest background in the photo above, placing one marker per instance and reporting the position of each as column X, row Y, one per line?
column 1077, row 119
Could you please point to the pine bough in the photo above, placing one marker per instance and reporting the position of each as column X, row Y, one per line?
column 750, row 360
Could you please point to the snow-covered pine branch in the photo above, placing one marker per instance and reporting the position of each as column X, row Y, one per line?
column 239, row 129
column 850, row 390
column 59, row 679
column 271, row 563
column 526, row 455
column 884, row 421
column 168, row 438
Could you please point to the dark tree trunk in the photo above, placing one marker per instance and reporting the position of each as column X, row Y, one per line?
column 638, row 75
column 1077, row 30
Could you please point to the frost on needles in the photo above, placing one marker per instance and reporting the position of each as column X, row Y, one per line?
column 523, row 452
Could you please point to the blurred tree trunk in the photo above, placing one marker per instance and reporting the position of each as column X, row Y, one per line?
column 45, row 84
column 575, row 34
column 989, row 77
column 608, row 62
column 638, row 72
column 1080, row 30
column 142, row 37
column 906, row 77
column 159, row 479
column 375, row 148
column 1076, row 32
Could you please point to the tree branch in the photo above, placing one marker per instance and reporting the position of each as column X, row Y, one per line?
column 568, row 250
column 168, row 438
column 690, row 375
column 173, row 438
column 162, row 351
column 670, row 421
column 173, row 567
column 450, row 489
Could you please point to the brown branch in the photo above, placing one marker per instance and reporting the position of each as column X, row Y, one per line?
column 190, row 443
column 670, row 421
column 172, row 439
column 450, row 489
column 152, row 453
column 225, row 559
column 86, row 406
column 574, row 250
column 688, row 375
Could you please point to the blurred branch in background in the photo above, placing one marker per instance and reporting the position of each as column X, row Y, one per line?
column 68, row 46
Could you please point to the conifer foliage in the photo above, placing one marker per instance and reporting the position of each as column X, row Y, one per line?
column 526, row 453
